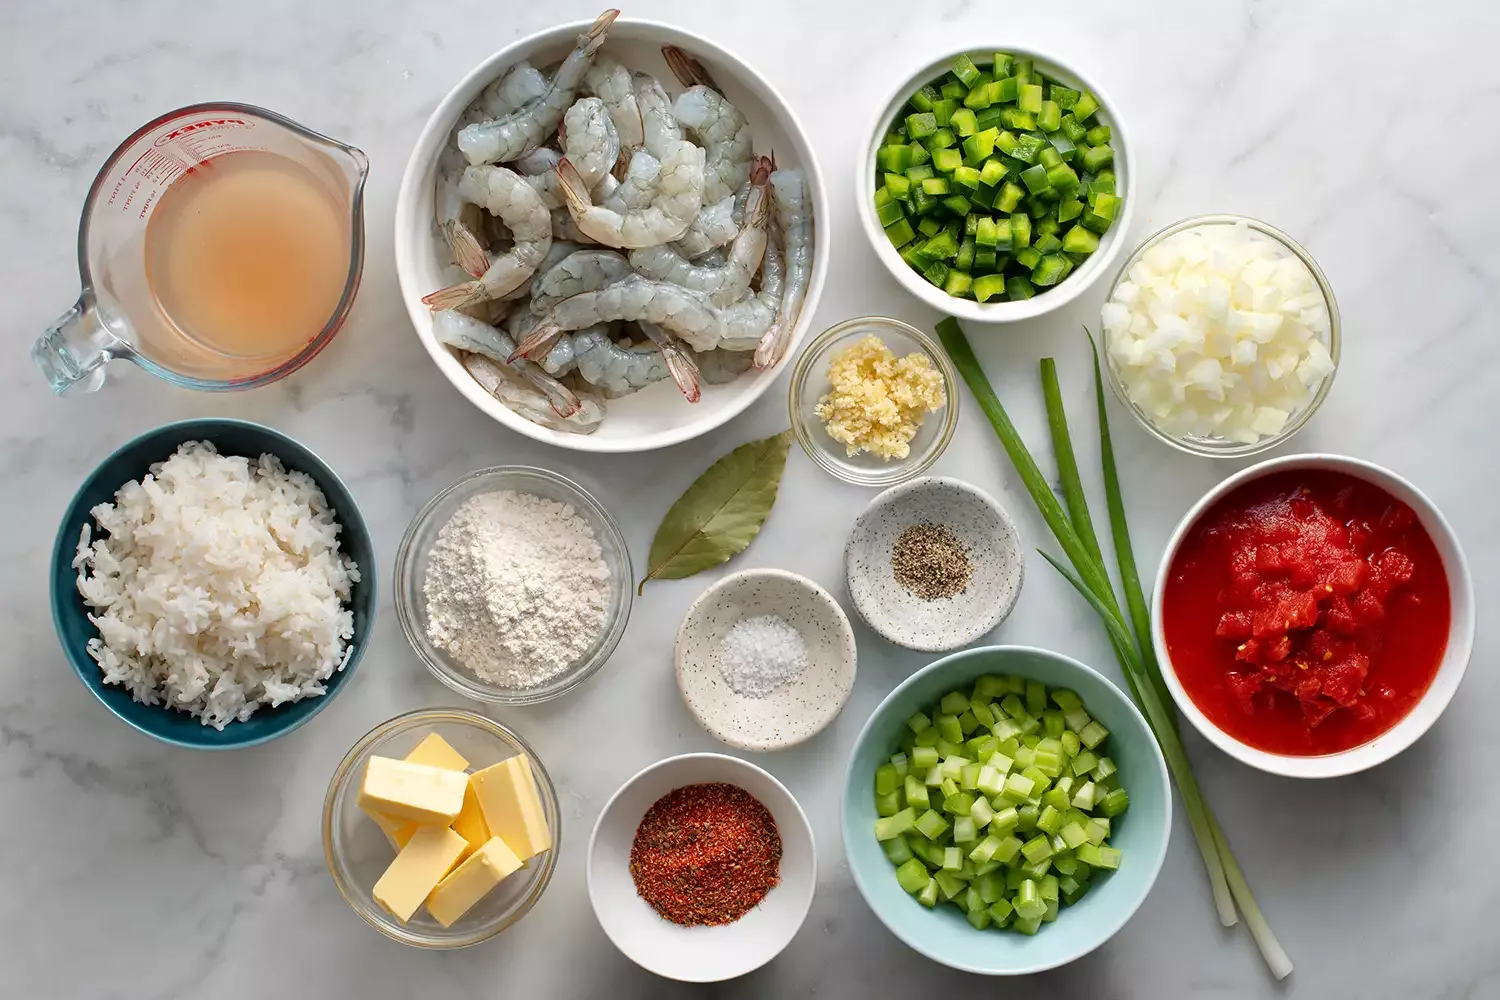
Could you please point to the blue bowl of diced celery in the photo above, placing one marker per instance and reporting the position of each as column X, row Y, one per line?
column 1137, row 834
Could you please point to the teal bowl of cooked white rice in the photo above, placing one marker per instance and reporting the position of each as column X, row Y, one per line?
column 213, row 584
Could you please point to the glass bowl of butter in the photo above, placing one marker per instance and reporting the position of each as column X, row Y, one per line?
column 440, row 828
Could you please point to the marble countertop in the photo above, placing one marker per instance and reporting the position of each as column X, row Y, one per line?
column 136, row 870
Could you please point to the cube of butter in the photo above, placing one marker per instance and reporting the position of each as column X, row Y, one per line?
column 470, row 881
column 417, row 792
column 512, row 809
column 434, row 751
column 427, row 857
column 470, row 823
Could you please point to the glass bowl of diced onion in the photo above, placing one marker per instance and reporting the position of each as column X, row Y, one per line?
column 1223, row 345
column 358, row 853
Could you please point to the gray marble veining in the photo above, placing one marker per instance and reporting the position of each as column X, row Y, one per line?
column 136, row 871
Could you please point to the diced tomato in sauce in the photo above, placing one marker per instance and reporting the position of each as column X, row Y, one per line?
column 1306, row 612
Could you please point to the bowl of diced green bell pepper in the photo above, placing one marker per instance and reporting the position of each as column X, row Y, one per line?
column 996, row 185
column 994, row 871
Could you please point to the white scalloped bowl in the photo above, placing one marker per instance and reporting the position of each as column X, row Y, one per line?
column 657, row 416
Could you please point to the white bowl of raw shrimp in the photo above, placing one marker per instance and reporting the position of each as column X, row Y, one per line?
column 659, row 414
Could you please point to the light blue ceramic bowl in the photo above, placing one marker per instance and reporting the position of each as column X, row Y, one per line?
column 132, row 460
column 942, row 934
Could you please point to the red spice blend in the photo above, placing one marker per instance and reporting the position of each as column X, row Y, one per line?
column 706, row 854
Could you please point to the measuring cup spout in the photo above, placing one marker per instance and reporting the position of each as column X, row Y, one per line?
column 73, row 351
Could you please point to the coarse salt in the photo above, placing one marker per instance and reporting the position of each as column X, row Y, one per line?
column 760, row 654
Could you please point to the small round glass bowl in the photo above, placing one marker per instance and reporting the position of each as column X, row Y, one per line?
column 1217, row 447
column 411, row 571
column 810, row 382
column 358, row 854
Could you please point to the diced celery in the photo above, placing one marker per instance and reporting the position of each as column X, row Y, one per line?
column 946, row 749
column 1113, row 803
column 1017, row 789
column 1037, row 849
column 912, row 876
column 1093, row 734
column 985, row 849
column 978, row 919
column 888, row 804
column 1027, row 925
column 916, row 793
column 1001, row 912
column 953, row 859
column 901, row 763
column 1097, row 830
column 1005, row 819
column 959, row 804
column 1055, row 798
column 888, row 827
column 968, row 778
column 1012, row 706
column 896, row 850
column 1026, row 817
column 923, row 758
column 966, row 829
column 1028, row 901
column 980, row 813
column 1008, row 849
column 1073, row 835
column 1050, row 820
column 886, row 779
column 929, row 896
column 947, row 725
column 949, row 884
column 948, row 785
column 966, row 721
column 1084, row 797
column 931, row 824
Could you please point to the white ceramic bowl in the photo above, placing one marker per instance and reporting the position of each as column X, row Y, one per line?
column 657, row 416
column 699, row 954
column 1450, row 671
column 980, row 525
column 798, row 709
column 1099, row 263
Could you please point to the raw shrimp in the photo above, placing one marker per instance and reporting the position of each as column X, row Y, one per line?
column 584, row 271
column 723, row 285
column 684, row 313
column 458, row 219
column 686, row 67
column 660, row 128
column 681, row 363
column 716, row 225
column 555, row 255
column 530, row 404
column 677, row 199
column 616, row 369
column 725, row 136
column 635, row 191
column 714, row 258
column 518, row 87
column 469, row 334
column 719, row 366
column 505, row 194
column 747, row 321
column 506, row 138
column 794, row 217
column 607, row 80
column 564, row 228
column 589, row 142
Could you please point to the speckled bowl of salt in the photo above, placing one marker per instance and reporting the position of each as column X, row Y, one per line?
column 933, row 564
column 765, row 659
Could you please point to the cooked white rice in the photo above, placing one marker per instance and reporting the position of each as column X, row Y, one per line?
column 219, row 587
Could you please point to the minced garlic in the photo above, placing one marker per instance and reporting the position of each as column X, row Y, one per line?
column 878, row 401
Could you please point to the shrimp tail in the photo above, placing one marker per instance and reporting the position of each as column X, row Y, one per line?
column 467, row 252
column 761, row 170
column 564, row 401
column 594, row 37
column 772, row 345
column 540, row 336
column 688, row 70
column 465, row 293
column 574, row 190
column 680, row 364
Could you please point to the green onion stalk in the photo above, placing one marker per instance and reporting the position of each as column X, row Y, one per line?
column 1128, row 630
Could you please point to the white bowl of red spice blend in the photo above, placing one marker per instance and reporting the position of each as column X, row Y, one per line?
column 933, row 564
column 701, row 868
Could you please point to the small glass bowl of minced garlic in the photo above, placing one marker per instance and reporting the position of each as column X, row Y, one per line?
column 874, row 401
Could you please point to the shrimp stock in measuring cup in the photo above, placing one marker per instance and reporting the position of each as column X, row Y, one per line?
column 220, row 247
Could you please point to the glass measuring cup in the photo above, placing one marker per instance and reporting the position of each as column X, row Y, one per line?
column 117, row 315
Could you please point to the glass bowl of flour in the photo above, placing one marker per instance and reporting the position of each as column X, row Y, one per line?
column 513, row 585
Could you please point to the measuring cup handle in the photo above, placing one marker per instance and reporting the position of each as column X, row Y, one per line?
column 73, row 351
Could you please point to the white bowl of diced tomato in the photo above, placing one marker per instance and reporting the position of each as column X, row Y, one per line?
column 1313, row 615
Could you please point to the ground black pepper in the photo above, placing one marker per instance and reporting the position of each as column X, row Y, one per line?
column 929, row 562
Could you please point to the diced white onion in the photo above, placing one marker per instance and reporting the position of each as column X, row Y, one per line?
column 1219, row 332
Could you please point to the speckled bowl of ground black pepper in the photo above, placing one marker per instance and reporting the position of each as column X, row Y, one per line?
column 933, row 564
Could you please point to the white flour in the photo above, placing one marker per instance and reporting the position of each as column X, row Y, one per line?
column 516, row 588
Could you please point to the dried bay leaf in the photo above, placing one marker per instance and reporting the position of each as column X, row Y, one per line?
column 721, row 513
